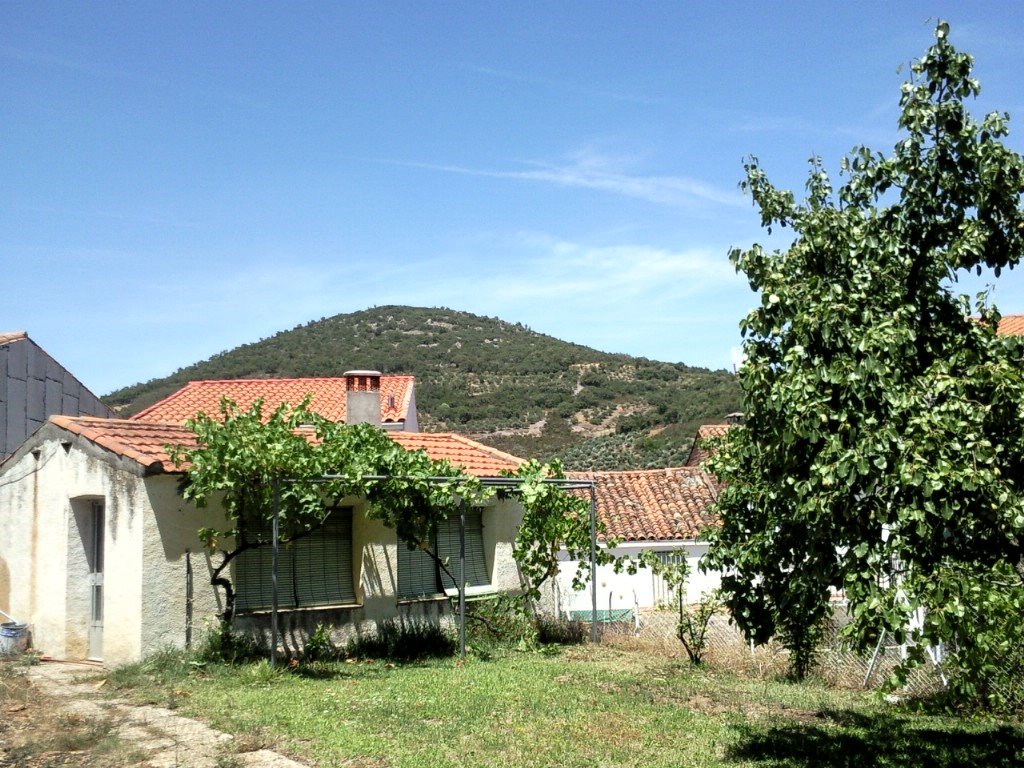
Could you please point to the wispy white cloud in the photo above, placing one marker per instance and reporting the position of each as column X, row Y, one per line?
column 587, row 170
column 537, row 274
column 143, row 216
column 625, row 269
column 133, row 74
column 88, row 67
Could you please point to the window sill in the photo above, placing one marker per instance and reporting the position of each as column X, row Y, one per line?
column 423, row 599
column 300, row 609
column 484, row 590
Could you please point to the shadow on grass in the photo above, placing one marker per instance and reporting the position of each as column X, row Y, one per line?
column 886, row 739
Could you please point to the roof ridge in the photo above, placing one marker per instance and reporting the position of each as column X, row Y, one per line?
column 329, row 396
column 145, row 442
column 647, row 470
column 119, row 420
column 496, row 452
column 292, row 378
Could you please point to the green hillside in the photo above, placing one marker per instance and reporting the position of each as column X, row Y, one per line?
column 500, row 382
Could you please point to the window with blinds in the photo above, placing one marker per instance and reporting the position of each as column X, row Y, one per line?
column 315, row 569
column 419, row 575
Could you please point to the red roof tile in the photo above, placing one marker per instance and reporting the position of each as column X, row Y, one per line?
column 653, row 504
column 139, row 441
column 144, row 442
column 698, row 452
column 328, row 397
column 1011, row 325
column 476, row 458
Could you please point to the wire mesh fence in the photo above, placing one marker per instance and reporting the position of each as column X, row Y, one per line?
column 1001, row 682
column 656, row 630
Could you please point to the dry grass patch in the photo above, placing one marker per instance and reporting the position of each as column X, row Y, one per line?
column 36, row 732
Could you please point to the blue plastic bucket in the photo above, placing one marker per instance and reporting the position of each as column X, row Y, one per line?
column 13, row 638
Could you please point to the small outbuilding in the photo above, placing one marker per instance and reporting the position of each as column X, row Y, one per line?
column 664, row 511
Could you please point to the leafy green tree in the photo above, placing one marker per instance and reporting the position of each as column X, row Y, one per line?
column 883, row 453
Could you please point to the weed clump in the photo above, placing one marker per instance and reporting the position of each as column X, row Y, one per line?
column 555, row 631
column 405, row 641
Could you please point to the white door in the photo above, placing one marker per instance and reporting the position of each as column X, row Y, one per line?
column 94, row 555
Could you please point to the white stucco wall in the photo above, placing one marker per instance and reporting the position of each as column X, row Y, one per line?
column 170, row 542
column 44, row 512
column 45, row 509
column 643, row 589
column 501, row 520
column 33, row 538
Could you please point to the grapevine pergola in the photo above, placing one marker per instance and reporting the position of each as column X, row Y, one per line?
column 509, row 483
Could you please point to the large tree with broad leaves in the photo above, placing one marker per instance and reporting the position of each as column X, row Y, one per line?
column 883, row 448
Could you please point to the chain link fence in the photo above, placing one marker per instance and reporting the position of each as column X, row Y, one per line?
column 654, row 630
column 1002, row 681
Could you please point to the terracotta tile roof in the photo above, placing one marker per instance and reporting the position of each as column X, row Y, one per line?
column 1011, row 325
column 476, row 458
column 328, row 397
column 9, row 336
column 704, row 432
column 653, row 504
column 144, row 442
column 139, row 441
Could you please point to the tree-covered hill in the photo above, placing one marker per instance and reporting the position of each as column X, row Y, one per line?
column 524, row 392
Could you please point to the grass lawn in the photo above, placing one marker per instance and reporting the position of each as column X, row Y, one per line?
column 584, row 706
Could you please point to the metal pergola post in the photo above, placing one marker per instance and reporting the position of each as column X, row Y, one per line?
column 462, row 577
column 273, row 574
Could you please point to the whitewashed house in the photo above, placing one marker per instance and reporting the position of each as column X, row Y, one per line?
column 664, row 511
column 99, row 552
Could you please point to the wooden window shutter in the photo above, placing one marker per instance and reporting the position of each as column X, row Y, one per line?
column 417, row 572
column 252, row 582
column 448, row 547
column 315, row 569
column 322, row 563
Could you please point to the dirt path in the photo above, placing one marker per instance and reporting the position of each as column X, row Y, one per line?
column 113, row 731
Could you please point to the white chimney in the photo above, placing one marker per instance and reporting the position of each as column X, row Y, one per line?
column 362, row 397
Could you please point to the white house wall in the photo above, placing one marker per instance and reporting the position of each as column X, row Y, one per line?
column 501, row 522
column 45, row 506
column 33, row 547
column 169, row 543
column 618, row 591
column 44, row 501
column 375, row 552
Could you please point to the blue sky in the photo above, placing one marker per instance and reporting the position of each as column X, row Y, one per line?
column 177, row 179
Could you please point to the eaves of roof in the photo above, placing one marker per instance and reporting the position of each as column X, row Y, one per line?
column 146, row 443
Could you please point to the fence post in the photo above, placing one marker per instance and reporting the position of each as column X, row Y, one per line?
column 188, row 599
column 593, row 562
